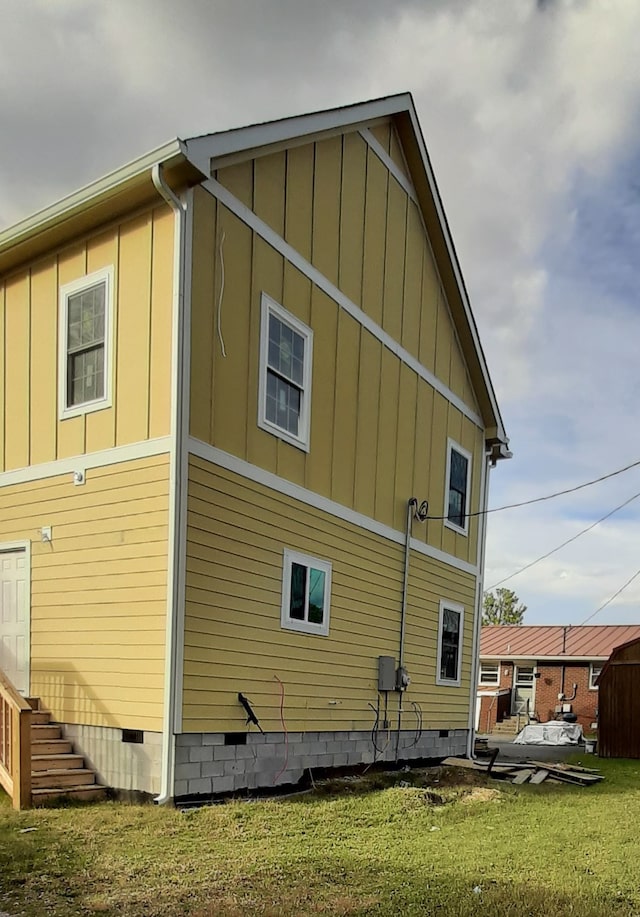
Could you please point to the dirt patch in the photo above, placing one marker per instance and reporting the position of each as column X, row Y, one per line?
column 481, row 794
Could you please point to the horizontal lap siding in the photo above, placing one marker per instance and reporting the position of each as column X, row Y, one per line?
column 98, row 591
column 140, row 251
column 237, row 531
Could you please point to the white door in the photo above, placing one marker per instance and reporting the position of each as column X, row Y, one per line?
column 524, row 690
column 14, row 618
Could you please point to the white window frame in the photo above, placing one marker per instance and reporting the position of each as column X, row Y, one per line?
column 288, row 623
column 496, row 666
column 268, row 307
column 461, row 530
column 600, row 667
column 459, row 609
column 67, row 290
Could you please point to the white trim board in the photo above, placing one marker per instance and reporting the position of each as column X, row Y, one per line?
column 105, row 457
column 288, row 488
column 313, row 274
column 389, row 164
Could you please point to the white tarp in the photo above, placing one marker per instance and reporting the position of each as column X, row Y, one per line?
column 550, row 734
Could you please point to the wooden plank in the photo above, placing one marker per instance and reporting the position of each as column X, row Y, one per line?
column 102, row 252
column 299, row 198
column 354, row 170
column 269, row 190
column 17, row 375
column 540, row 776
column 326, row 207
column 523, row 776
column 134, row 310
column 44, row 356
column 374, row 237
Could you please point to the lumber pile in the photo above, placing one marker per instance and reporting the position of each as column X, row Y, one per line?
column 530, row 771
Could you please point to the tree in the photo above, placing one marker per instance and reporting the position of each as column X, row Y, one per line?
column 503, row 607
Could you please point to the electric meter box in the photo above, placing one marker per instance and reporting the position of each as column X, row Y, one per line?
column 386, row 673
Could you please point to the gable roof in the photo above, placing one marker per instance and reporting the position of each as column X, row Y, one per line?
column 192, row 160
column 499, row 641
column 212, row 151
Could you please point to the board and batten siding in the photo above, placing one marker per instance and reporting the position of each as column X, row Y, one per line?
column 98, row 590
column 237, row 531
column 378, row 430
column 140, row 250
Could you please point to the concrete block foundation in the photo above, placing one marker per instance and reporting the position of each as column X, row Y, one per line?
column 205, row 766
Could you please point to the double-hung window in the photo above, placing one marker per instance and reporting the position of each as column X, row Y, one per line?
column 489, row 673
column 85, row 324
column 450, row 628
column 306, row 592
column 285, row 375
column 594, row 670
column 458, row 487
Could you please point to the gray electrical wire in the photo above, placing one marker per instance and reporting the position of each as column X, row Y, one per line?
column 558, row 493
column 614, row 596
column 564, row 543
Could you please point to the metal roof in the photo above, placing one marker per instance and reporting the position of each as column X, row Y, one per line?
column 524, row 642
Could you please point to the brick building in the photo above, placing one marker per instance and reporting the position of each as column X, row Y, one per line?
column 535, row 673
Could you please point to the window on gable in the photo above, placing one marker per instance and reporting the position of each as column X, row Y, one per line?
column 489, row 673
column 306, row 591
column 285, row 375
column 85, row 319
column 594, row 670
column 456, row 508
column 449, row 644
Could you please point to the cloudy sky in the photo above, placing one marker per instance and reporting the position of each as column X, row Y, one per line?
column 531, row 111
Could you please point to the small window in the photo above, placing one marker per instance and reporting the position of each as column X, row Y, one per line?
column 285, row 375
column 594, row 670
column 489, row 673
column 306, row 590
column 525, row 675
column 449, row 644
column 85, row 323
column 458, row 479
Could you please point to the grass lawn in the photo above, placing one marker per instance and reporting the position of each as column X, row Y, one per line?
column 450, row 843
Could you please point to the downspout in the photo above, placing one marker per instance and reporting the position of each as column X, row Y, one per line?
column 475, row 661
column 175, row 489
column 411, row 505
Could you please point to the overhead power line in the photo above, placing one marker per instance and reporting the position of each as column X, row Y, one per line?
column 564, row 543
column 558, row 493
column 614, row 596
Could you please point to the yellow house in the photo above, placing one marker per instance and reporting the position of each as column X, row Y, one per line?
column 245, row 432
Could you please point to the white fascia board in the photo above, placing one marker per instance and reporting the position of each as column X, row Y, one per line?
column 82, row 199
column 455, row 264
column 201, row 150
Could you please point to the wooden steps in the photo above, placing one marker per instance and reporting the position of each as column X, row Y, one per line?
column 56, row 772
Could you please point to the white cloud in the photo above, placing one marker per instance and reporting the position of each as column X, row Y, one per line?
column 519, row 102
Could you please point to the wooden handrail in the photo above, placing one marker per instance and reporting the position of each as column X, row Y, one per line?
column 15, row 744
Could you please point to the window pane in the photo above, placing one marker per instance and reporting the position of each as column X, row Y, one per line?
column 450, row 642
column 459, row 466
column 286, row 350
column 457, row 504
column 316, row 595
column 283, row 404
column 298, row 591
column 86, row 317
column 85, row 376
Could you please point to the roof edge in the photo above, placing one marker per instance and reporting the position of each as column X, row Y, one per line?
column 78, row 201
column 201, row 149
